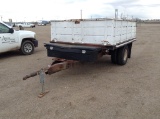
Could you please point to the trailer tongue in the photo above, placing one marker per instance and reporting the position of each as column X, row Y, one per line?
column 56, row 66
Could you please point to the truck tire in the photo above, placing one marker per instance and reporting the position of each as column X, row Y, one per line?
column 27, row 48
column 114, row 56
column 122, row 55
column 21, row 28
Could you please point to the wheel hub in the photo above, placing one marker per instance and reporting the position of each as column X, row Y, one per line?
column 28, row 48
column 125, row 55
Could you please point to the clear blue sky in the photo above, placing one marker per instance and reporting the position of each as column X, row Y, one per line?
column 33, row 10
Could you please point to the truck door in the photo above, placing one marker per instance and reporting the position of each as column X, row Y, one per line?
column 24, row 24
column 8, row 41
column 27, row 25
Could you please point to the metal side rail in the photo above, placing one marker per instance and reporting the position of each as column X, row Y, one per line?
column 56, row 66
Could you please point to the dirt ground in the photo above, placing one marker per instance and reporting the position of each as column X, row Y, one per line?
column 98, row 90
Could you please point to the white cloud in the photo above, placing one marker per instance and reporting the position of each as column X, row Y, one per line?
column 32, row 10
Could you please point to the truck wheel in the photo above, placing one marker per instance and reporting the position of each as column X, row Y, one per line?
column 21, row 28
column 27, row 47
column 122, row 55
column 114, row 56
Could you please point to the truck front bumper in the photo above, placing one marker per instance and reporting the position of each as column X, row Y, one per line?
column 35, row 42
column 73, row 52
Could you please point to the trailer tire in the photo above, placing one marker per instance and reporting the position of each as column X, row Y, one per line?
column 27, row 48
column 130, row 50
column 114, row 56
column 122, row 55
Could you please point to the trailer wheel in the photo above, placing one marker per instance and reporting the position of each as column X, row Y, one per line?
column 114, row 56
column 122, row 55
column 27, row 48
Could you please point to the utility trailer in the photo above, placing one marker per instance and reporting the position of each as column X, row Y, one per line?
column 86, row 40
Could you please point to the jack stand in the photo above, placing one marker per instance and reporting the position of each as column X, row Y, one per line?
column 42, row 80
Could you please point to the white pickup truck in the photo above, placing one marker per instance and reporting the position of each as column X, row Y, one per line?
column 25, row 25
column 22, row 40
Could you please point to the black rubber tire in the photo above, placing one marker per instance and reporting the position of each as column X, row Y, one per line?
column 21, row 28
column 122, row 55
column 130, row 50
column 27, row 48
column 114, row 56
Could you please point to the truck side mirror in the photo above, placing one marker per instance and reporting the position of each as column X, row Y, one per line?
column 11, row 30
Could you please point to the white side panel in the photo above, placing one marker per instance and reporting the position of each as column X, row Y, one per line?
column 61, row 30
column 94, row 32
column 124, row 31
column 98, row 32
column 134, row 30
